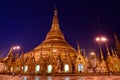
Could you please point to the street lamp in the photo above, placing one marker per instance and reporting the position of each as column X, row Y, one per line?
column 92, row 53
column 97, row 39
column 101, row 39
column 16, row 48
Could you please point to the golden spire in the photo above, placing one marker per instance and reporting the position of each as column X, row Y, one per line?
column 55, row 19
column 117, row 43
column 10, row 53
column 79, row 50
column 108, row 52
column 113, row 53
column 55, row 22
column 55, row 32
column 84, row 52
column 101, row 53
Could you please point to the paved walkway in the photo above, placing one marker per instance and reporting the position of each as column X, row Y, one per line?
column 6, row 77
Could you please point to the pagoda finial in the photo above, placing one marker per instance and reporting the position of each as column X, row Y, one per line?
column 55, row 18
column 55, row 11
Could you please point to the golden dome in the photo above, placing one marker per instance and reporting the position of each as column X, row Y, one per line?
column 54, row 39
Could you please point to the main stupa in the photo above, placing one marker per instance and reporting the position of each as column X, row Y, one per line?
column 54, row 42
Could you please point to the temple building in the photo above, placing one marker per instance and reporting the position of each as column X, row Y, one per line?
column 56, row 55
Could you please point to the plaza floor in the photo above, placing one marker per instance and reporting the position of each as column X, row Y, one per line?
column 6, row 77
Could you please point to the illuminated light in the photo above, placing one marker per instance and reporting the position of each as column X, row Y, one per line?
column 37, row 68
column 103, row 39
column 67, row 78
column 49, row 78
column 97, row 39
column 17, row 47
column 25, row 77
column 80, row 67
column 25, row 68
column 11, row 69
column 22, row 67
column 66, row 68
column 5, row 67
column 38, row 78
column 14, row 48
column 54, row 50
column 49, row 68
column 92, row 53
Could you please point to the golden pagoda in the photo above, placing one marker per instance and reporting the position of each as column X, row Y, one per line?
column 54, row 43
column 53, row 55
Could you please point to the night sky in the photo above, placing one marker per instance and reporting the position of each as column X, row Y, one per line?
column 26, row 22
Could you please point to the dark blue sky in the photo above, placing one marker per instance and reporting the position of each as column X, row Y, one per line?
column 26, row 22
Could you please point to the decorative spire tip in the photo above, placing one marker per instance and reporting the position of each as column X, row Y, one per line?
column 55, row 11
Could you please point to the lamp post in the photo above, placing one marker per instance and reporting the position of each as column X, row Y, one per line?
column 101, row 39
column 16, row 48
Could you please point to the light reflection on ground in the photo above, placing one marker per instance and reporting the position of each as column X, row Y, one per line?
column 6, row 77
column 72, row 78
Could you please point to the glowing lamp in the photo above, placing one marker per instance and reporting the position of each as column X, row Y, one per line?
column 54, row 50
column 97, row 39
column 92, row 53
column 16, row 47
column 103, row 39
